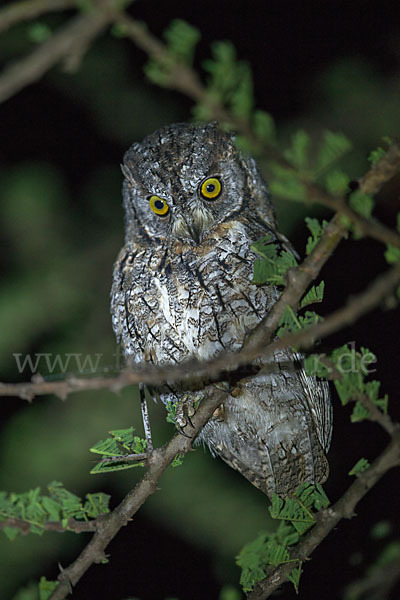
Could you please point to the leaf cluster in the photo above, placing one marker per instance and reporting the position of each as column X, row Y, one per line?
column 274, row 262
column 229, row 82
column 181, row 40
column 58, row 506
column 304, row 164
column 350, row 370
column 296, row 516
column 392, row 253
column 272, row 268
column 118, row 451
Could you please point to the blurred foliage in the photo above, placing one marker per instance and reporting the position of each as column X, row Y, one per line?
column 61, row 241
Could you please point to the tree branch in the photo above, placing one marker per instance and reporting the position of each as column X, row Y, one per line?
column 69, row 43
column 72, row 525
column 327, row 519
column 30, row 9
column 108, row 526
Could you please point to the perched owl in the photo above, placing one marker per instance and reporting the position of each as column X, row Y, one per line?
column 183, row 288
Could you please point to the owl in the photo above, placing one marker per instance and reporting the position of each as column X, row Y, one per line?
column 182, row 289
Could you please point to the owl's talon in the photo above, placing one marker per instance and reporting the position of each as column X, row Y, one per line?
column 189, row 420
column 180, row 430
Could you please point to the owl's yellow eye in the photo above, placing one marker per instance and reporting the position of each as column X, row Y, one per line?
column 159, row 206
column 211, row 188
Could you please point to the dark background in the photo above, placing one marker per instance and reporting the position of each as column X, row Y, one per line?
column 316, row 65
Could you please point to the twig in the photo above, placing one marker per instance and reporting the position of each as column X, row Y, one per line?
column 378, row 582
column 30, row 9
column 367, row 227
column 377, row 415
column 70, row 41
column 72, row 525
column 109, row 525
column 327, row 519
column 298, row 280
column 381, row 171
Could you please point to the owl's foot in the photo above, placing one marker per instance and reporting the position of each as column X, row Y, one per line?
column 185, row 409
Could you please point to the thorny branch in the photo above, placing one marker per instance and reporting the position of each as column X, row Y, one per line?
column 327, row 519
column 67, row 44
column 108, row 526
column 30, row 9
column 72, row 525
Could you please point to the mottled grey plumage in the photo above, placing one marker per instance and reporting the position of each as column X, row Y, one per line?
column 182, row 289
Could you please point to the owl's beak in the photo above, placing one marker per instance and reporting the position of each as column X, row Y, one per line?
column 194, row 223
column 195, row 232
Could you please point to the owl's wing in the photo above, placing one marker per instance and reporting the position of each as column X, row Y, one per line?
column 317, row 394
column 272, row 430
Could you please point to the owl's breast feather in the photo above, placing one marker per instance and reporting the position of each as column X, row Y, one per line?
column 201, row 303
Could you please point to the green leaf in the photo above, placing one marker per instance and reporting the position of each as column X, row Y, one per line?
column 295, row 515
column 52, row 507
column 71, row 504
column 360, row 413
column 222, row 69
column 177, row 462
column 379, row 153
column 121, row 442
column 241, row 101
column 46, row 588
column 112, row 466
column 182, row 38
column 171, row 411
column 360, row 466
column 337, row 182
column 314, row 295
column 315, row 367
column 376, row 155
column 297, row 154
column 159, row 72
column 264, row 126
column 354, row 368
column 230, row 81
column 333, row 147
column 291, row 322
column 361, row 203
column 273, row 265
column 317, row 229
column 97, row 504
column 291, row 188
column 294, row 576
column 392, row 254
column 121, row 445
column 252, row 561
column 39, row 32
column 11, row 532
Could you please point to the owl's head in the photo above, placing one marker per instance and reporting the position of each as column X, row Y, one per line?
column 184, row 180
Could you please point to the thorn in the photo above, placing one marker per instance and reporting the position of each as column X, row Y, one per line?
column 64, row 578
